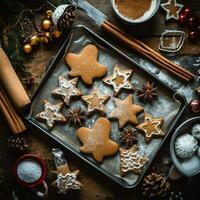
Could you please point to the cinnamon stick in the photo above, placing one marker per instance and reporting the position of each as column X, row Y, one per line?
column 14, row 121
column 147, row 52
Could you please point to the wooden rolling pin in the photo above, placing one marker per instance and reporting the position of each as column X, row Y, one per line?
column 11, row 82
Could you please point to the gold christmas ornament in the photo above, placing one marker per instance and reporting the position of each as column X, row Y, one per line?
column 46, row 24
column 57, row 34
column 47, row 34
column 33, row 37
column 34, row 40
column 27, row 48
column 44, row 39
column 48, row 13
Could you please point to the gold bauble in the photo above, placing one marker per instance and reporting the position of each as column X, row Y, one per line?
column 47, row 34
column 46, row 24
column 57, row 34
column 34, row 40
column 27, row 48
column 44, row 39
column 48, row 14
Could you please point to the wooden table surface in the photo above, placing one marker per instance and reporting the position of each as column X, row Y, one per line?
column 96, row 185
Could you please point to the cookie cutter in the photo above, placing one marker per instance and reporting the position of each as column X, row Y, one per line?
column 173, row 45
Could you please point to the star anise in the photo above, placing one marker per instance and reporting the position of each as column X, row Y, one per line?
column 129, row 136
column 148, row 92
column 76, row 116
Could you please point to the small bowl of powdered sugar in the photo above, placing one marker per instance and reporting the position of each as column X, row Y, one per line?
column 135, row 11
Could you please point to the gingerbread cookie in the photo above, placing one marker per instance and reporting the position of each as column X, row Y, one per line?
column 67, row 89
column 119, row 79
column 51, row 114
column 131, row 161
column 95, row 101
column 151, row 127
column 96, row 140
column 66, row 180
column 85, row 64
column 126, row 111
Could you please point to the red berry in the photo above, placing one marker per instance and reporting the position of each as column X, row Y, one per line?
column 182, row 19
column 195, row 106
column 193, row 35
column 187, row 11
column 192, row 22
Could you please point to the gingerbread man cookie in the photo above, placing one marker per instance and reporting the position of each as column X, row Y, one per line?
column 126, row 111
column 51, row 114
column 119, row 79
column 67, row 89
column 85, row 64
column 151, row 127
column 95, row 101
column 96, row 140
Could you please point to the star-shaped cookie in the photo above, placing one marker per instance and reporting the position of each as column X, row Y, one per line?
column 172, row 8
column 68, row 181
column 95, row 101
column 51, row 114
column 85, row 64
column 96, row 140
column 151, row 127
column 119, row 79
column 126, row 111
column 67, row 89
column 131, row 161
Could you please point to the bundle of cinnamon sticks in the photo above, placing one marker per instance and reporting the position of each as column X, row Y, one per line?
column 14, row 121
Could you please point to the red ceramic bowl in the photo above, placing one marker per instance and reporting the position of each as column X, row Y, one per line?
column 37, row 159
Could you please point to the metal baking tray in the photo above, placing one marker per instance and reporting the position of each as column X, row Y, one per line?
column 169, row 104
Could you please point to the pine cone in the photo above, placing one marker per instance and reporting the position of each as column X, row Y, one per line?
column 18, row 142
column 27, row 27
column 67, row 19
column 155, row 185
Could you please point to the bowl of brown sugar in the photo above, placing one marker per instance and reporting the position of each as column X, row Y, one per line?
column 135, row 11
